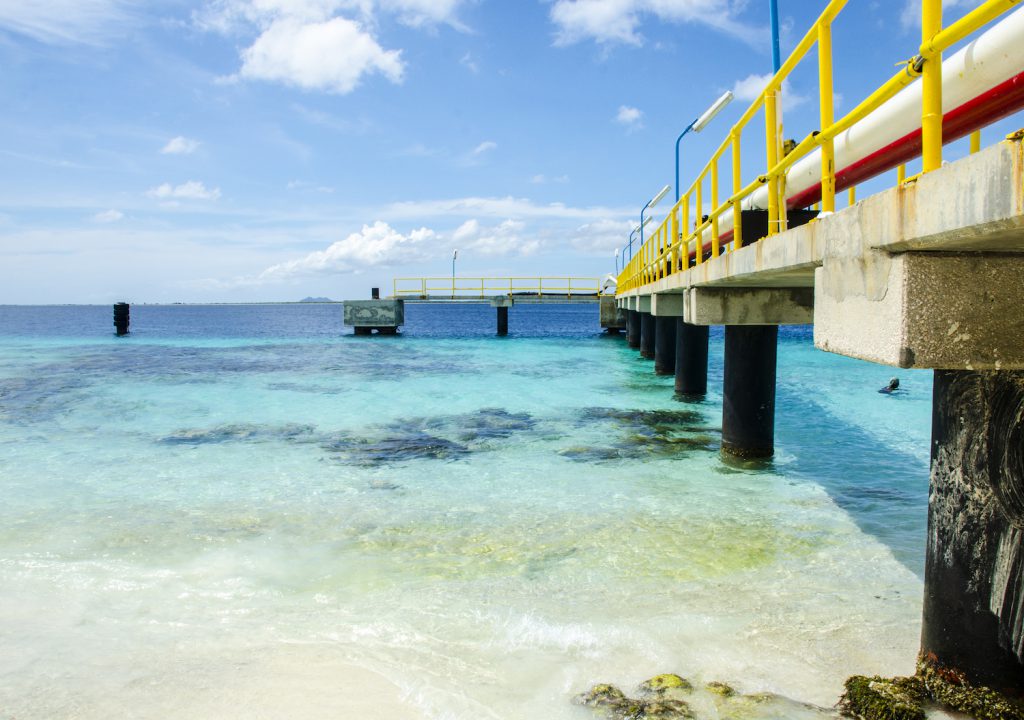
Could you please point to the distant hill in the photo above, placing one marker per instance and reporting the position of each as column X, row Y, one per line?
column 316, row 300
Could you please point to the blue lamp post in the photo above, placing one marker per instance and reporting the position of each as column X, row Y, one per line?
column 773, row 9
column 699, row 124
column 651, row 203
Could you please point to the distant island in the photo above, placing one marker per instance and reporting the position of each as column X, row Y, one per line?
column 317, row 300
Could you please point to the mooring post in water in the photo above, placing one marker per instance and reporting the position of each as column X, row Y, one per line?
column 973, row 623
column 121, row 318
column 633, row 329
column 648, row 330
column 748, row 393
column 691, row 358
column 502, row 303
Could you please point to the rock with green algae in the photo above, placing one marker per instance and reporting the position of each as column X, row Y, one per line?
column 612, row 703
column 877, row 698
column 758, row 706
column 720, row 688
column 951, row 689
column 667, row 683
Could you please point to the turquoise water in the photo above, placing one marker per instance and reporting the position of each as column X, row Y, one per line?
column 246, row 512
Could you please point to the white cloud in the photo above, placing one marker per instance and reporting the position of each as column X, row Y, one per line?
column 332, row 56
column 417, row 13
column 505, row 207
column 108, row 216
column 64, row 22
column 469, row 63
column 485, row 146
column 750, row 87
column 541, row 179
column 191, row 190
column 631, row 117
column 180, row 146
column 375, row 245
column 505, row 238
column 602, row 237
column 618, row 21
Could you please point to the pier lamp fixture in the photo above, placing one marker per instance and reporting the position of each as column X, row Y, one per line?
column 699, row 124
column 651, row 203
column 630, row 246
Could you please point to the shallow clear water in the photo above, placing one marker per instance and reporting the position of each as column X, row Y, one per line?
column 246, row 512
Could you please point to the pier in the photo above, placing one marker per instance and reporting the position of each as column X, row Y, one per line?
column 928, row 273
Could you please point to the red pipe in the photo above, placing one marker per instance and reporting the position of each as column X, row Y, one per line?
column 991, row 106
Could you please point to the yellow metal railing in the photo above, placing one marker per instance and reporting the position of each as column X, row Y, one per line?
column 670, row 247
column 466, row 288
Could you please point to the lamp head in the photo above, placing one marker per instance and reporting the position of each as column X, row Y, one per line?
column 710, row 113
column 657, row 198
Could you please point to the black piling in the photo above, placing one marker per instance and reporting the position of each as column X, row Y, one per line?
column 665, row 346
column 691, row 359
column 502, row 321
column 375, row 293
column 973, row 621
column 122, row 318
column 633, row 328
column 748, row 403
column 648, row 330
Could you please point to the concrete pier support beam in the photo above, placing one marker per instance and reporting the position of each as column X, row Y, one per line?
column 613, row 319
column 633, row 328
column 365, row 316
column 974, row 576
column 648, row 329
column 691, row 359
column 748, row 403
column 665, row 345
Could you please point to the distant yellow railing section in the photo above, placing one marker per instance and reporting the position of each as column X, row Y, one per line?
column 466, row 288
column 670, row 247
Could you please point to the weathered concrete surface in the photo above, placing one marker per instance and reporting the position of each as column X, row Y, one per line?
column 668, row 305
column 923, row 309
column 974, row 575
column 374, row 313
column 749, row 306
column 504, row 301
column 612, row 317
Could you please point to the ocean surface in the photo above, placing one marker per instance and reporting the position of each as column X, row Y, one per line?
column 246, row 511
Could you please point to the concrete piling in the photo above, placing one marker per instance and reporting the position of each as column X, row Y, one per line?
column 748, row 403
column 633, row 328
column 122, row 319
column 665, row 346
column 691, row 359
column 503, row 321
column 648, row 330
column 973, row 620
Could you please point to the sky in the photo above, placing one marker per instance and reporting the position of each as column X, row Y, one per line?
column 265, row 150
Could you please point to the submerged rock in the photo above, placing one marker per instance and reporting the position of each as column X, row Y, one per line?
column 950, row 688
column 877, row 698
column 720, row 688
column 662, row 684
column 414, row 446
column 238, row 432
column 603, row 695
column 612, row 703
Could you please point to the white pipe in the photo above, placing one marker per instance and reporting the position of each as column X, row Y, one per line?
column 992, row 58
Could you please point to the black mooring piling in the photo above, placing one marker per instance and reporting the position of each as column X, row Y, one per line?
column 748, row 402
column 121, row 318
column 633, row 328
column 665, row 346
column 648, row 331
column 691, row 359
column 375, row 293
column 502, row 320
column 973, row 617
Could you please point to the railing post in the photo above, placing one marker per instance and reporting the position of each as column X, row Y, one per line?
column 771, row 144
column 698, row 240
column 686, row 230
column 975, row 141
column 737, row 186
column 828, row 153
column 675, row 239
column 901, row 174
column 931, row 89
column 714, row 206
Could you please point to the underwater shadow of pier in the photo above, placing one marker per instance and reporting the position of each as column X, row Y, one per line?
column 884, row 490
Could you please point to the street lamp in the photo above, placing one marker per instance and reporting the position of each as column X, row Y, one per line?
column 631, row 235
column 455, row 256
column 699, row 124
column 773, row 10
column 651, row 203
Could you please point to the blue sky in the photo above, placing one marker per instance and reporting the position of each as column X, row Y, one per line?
column 252, row 150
